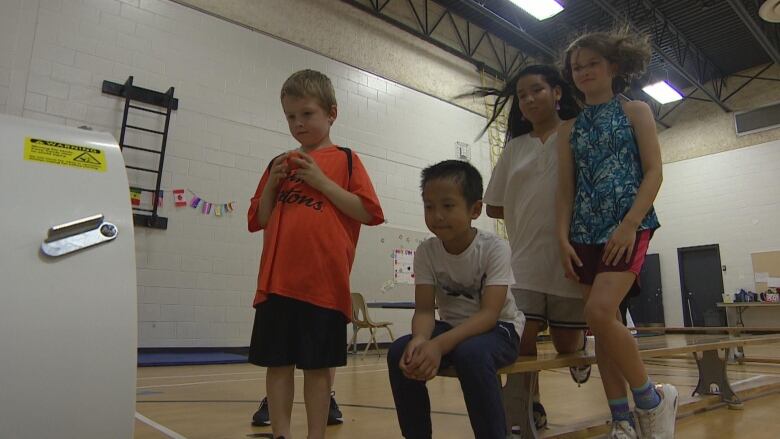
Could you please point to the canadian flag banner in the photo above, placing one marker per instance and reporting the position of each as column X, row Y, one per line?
column 178, row 196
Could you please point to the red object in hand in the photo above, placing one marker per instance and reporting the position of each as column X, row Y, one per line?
column 291, row 164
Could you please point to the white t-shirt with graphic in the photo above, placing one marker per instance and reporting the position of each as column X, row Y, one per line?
column 524, row 182
column 461, row 279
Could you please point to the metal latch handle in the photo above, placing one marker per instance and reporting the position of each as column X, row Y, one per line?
column 77, row 235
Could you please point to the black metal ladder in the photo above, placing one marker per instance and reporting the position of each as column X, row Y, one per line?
column 143, row 216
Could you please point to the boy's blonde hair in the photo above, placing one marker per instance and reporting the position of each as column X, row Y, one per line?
column 310, row 84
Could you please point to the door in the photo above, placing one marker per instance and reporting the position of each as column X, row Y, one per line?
column 701, row 282
column 647, row 309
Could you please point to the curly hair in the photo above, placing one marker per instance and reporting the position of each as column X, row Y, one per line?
column 517, row 125
column 630, row 51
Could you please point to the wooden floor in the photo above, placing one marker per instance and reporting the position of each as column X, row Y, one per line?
column 217, row 402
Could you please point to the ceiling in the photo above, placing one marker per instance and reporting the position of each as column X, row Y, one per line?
column 698, row 44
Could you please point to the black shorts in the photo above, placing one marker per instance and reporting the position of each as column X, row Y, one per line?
column 292, row 332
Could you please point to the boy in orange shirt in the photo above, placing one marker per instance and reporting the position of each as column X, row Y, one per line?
column 310, row 203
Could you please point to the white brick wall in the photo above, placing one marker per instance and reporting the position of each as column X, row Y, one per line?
column 196, row 279
column 731, row 199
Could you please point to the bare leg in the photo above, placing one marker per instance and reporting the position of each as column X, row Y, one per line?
column 528, row 345
column 613, row 339
column 567, row 340
column 280, row 385
column 611, row 379
column 316, row 394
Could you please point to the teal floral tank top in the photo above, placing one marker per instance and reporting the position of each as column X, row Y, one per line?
column 608, row 173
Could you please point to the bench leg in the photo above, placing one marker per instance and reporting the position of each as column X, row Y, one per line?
column 518, row 403
column 713, row 379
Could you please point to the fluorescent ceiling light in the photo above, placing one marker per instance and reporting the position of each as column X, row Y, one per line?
column 662, row 92
column 540, row 9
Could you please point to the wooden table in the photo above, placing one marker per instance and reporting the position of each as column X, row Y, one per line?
column 740, row 307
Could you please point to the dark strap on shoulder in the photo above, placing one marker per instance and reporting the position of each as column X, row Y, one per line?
column 268, row 168
column 348, row 152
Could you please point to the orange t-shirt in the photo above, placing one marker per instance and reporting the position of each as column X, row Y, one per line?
column 308, row 244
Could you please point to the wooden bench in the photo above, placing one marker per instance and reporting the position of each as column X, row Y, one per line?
column 710, row 350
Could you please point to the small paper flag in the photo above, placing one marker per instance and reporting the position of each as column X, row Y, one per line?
column 194, row 203
column 160, row 195
column 205, row 208
column 178, row 196
column 218, row 210
column 135, row 197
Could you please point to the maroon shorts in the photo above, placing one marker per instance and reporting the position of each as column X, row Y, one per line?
column 592, row 264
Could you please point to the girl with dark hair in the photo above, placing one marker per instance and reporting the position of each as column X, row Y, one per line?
column 522, row 192
column 610, row 173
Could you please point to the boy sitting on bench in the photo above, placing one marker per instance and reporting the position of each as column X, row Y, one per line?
column 466, row 272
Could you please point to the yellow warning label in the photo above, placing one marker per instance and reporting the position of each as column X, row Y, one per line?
column 63, row 154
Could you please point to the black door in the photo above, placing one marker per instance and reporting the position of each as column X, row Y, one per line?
column 701, row 280
column 647, row 309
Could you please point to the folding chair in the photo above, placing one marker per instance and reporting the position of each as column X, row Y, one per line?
column 359, row 307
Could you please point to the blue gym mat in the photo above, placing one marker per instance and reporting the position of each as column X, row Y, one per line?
column 188, row 358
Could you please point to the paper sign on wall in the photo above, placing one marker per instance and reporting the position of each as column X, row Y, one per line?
column 403, row 266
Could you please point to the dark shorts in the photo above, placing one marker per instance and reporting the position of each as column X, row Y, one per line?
column 291, row 332
column 592, row 263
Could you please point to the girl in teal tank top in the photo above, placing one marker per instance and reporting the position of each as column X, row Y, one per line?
column 609, row 176
column 608, row 171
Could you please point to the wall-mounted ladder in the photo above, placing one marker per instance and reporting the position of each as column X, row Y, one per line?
column 146, row 217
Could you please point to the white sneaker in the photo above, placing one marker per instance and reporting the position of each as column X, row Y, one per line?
column 658, row 423
column 622, row 430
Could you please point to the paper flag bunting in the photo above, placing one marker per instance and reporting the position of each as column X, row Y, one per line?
column 178, row 196
column 180, row 200
column 135, row 197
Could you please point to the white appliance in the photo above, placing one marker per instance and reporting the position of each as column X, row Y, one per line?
column 68, row 296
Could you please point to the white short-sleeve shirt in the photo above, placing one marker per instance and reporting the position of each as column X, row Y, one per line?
column 460, row 280
column 524, row 183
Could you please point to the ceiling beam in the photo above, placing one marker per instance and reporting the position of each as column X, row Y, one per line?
column 425, row 32
column 464, row 50
column 505, row 26
column 755, row 29
column 671, row 60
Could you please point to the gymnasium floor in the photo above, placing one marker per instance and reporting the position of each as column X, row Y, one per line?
column 217, row 402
